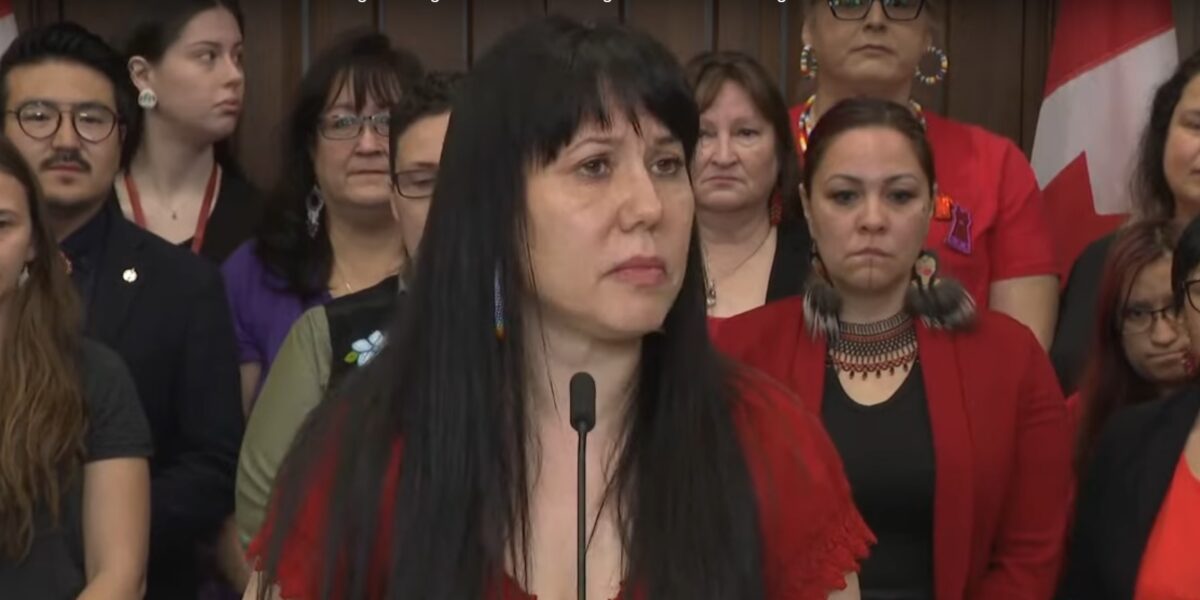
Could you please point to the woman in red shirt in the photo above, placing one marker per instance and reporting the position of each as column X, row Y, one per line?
column 989, row 226
column 561, row 239
column 950, row 423
column 1137, row 525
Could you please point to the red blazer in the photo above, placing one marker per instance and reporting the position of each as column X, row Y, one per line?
column 1000, row 438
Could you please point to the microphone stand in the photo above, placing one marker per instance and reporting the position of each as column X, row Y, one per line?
column 583, row 418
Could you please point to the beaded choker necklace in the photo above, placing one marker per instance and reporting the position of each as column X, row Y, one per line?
column 860, row 349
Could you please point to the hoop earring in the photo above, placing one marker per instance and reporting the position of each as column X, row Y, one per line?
column 498, row 304
column 23, row 277
column 943, row 67
column 808, row 62
column 147, row 99
column 941, row 303
column 313, row 205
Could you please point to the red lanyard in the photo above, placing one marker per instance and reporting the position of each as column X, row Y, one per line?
column 139, row 216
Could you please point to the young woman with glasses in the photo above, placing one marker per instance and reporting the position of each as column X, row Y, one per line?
column 1140, row 349
column 1137, row 527
column 328, row 230
column 988, row 227
column 330, row 342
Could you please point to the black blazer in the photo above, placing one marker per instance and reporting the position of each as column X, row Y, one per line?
column 1073, row 338
column 164, row 311
column 1122, row 491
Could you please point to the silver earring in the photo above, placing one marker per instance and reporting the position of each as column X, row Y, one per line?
column 147, row 99
column 313, row 205
column 23, row 277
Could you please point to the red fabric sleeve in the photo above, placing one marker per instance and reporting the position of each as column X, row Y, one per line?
column 1023, row 245
column 1027, row 550
column 812, row 533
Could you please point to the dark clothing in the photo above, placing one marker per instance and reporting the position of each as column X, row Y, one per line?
column 116, row 428
column 1122, row 491
column 1073, row 338
column 793, row 258
column 353, row 320
column 83, row 250
column 887, row 450
column 234, row 218
column 163, row 311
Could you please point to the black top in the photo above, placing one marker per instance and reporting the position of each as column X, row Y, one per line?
column 83, row 249
column 353, row 319
column 163, row 310
column 234, row 218
column 54, row 568
column 1077, row 314
column 793, row 254
column 1122, row 491
column 887, row 452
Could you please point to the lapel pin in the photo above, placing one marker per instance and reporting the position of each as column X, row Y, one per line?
column 130, row 275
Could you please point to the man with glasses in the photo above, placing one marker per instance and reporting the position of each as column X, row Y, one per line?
column 70, row 108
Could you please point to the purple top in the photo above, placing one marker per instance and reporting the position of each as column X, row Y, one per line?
column 263, row 312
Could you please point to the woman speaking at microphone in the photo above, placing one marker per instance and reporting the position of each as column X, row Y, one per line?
column 561, row 239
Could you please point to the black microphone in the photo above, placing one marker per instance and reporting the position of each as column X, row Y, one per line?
column 583, row 418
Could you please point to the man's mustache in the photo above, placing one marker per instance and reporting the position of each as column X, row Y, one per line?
column 67, row 157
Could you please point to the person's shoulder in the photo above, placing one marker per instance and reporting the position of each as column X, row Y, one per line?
column 998, row 331
column 960, row 140
column 174, row 263
column 1140, row 418
column 98, row 362
column 752, row 328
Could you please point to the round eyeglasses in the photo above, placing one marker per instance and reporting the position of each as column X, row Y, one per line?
column 41, row 120
column 348, row 127
column 896, row 10
column 416, row 184
column 1136, row 321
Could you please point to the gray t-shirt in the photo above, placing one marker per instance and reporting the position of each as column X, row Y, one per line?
column 117, row 428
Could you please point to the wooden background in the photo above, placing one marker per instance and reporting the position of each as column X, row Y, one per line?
column 998, row 49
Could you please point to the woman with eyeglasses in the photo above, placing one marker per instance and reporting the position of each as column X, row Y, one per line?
column 1140, row 351
column 185, row 58
column 1164, row 187
column 1137, row 528
column 328, row 231
column 989, row 230
column 332, row 341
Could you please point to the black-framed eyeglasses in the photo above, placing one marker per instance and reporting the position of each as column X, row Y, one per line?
column 1136, row 321
column 896, row 10
column 348, row 127
column 41, row 120
column 415, row 184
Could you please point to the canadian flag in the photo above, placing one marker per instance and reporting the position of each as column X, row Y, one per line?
column 8, row 25
column 1107, row 59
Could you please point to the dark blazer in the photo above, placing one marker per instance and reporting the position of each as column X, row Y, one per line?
column 1075, row 333
column 163, row 310
column 1122, row 491
column 1001, row 447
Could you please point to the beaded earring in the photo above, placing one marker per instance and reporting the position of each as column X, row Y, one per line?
column 822, row 303
column 943, row 63
column 940, row 302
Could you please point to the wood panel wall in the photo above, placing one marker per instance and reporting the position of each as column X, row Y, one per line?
column 997, row 50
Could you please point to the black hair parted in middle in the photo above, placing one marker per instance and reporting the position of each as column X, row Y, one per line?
column 455, row 398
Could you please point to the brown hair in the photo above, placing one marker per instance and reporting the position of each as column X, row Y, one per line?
column 708, row 71
column 1109, row 381
column 42, row 414
column 857, row 113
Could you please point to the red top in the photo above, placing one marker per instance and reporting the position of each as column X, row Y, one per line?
column 1001, row 445
column 812, row 534
column 1169, row 563
column 1001, row 230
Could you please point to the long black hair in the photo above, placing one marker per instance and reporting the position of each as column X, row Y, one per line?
column 457, row 396
column 374, row 69
column 158, row 25
column 1152, row 195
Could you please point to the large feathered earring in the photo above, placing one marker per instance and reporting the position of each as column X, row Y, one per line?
column 940, row 302
column 822, row 304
